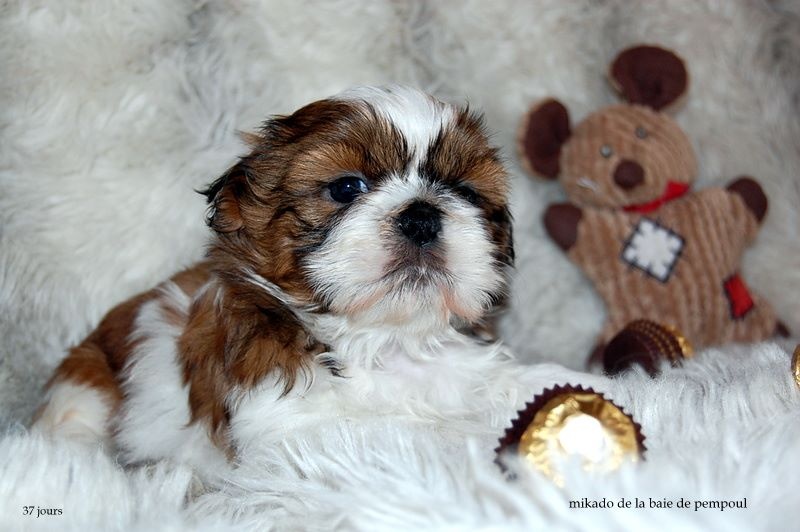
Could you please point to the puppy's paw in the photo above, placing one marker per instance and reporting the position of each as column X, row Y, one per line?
column 74, row 412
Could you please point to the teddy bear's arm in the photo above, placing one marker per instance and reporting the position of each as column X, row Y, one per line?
column 585, row 234
column 749, row 192
column 561, row 220
column 743, row 203
column 739, row 208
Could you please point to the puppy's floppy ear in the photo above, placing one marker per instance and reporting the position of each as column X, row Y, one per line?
column 649, row 75
column 253, row 140
column 544, row 130
column 224, row 196
column 503, row 234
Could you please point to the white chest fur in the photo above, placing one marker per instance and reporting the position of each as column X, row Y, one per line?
column 417, row 386
column 448, row 381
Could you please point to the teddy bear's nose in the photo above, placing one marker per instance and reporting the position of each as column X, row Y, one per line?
column 628, row 174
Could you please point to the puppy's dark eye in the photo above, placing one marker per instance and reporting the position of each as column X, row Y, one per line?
column 347, row 188
column 468, row 194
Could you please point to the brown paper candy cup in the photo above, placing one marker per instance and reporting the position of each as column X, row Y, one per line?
column 646, row 343
column 572, row 421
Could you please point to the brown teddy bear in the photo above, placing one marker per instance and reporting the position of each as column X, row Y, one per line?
column 654, row 249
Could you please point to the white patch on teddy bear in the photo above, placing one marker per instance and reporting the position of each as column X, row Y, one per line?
column 653, row 248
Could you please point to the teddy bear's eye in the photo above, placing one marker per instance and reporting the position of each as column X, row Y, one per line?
column 641, row 132
column 606, row 151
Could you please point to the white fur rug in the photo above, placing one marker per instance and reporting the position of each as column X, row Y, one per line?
column 111, row 112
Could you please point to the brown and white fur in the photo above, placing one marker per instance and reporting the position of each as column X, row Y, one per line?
column 307, row 307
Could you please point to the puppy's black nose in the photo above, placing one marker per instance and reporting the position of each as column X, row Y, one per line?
column 421, row 222
column 629, row 174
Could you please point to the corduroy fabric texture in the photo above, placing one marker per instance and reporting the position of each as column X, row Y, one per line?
column 653, row 249
column 711, row 229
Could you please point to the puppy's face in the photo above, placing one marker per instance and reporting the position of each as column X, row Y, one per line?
column 385, row 206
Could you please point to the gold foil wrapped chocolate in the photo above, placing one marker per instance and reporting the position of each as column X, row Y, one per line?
column 646, row 343
column 570, row 421
column 796, row 365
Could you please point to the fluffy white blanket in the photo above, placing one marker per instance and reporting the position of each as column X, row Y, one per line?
column 112, row 112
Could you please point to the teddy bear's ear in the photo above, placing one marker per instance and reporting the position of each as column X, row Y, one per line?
column 649, row 75
column 543, row 132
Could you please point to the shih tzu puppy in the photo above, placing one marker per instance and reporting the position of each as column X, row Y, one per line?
column 352, row 247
